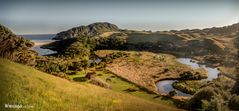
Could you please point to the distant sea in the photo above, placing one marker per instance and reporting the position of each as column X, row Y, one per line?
column 39, row 40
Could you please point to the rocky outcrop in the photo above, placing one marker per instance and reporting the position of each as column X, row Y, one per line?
column 89, row 30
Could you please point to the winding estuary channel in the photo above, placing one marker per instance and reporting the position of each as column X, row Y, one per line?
column 165, row 86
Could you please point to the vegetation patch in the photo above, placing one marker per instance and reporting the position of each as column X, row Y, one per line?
column 100, row 83
column 135, row 37
column 24, row 85
column 16, row 48
column 145, row 68
column 214, row 95
column 187, row 86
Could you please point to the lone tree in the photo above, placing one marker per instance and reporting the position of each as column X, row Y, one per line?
column 85, row 63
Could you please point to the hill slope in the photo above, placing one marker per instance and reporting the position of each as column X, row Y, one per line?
column 36, row 90
column 89, row 30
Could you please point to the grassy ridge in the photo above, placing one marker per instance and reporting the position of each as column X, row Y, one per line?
column 28, row 87
column 135, row 38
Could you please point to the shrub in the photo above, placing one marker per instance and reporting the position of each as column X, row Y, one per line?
column 236, row 86
column 16, row 48
column 186, row 75
column 85, row 63
column 110, row 57
column 100, row 83
column 189, row 86
column 52, row 64
column 90, row 75
column 214, row 104
column 206, row 93
column 234, row 103
column 172, row 93
column 192, row 75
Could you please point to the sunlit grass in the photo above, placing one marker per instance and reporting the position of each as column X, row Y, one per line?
column 43, row 92
column 121, row 85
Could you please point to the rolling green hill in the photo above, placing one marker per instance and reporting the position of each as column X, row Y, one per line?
column 89, row 30
column 38, row 91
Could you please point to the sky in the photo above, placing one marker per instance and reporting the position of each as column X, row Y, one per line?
column 53, row 16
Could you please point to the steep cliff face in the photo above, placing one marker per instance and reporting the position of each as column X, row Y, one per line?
column 89, row 30
column 15, row 48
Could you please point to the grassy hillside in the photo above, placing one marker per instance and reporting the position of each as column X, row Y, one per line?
column 135, row 38
column 35, row 90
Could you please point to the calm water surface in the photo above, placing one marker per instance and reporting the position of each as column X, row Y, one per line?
column 45, row 38
column 165, row 86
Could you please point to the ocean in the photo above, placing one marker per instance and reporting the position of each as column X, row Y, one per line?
column 40, row 40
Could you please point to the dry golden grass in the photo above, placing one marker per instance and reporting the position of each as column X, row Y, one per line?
column 146, row 68
column 103, row 53
column 218, row 43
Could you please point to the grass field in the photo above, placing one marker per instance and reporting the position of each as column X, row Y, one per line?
column 153, row 37
column 121, row 85
column 38, row 91
column 146, row 68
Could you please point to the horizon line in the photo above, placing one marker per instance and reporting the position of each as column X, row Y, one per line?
column 219, row 26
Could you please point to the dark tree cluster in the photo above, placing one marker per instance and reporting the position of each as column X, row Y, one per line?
column 16, row 48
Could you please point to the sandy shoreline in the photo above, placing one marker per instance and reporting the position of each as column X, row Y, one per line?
column 40, row 43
